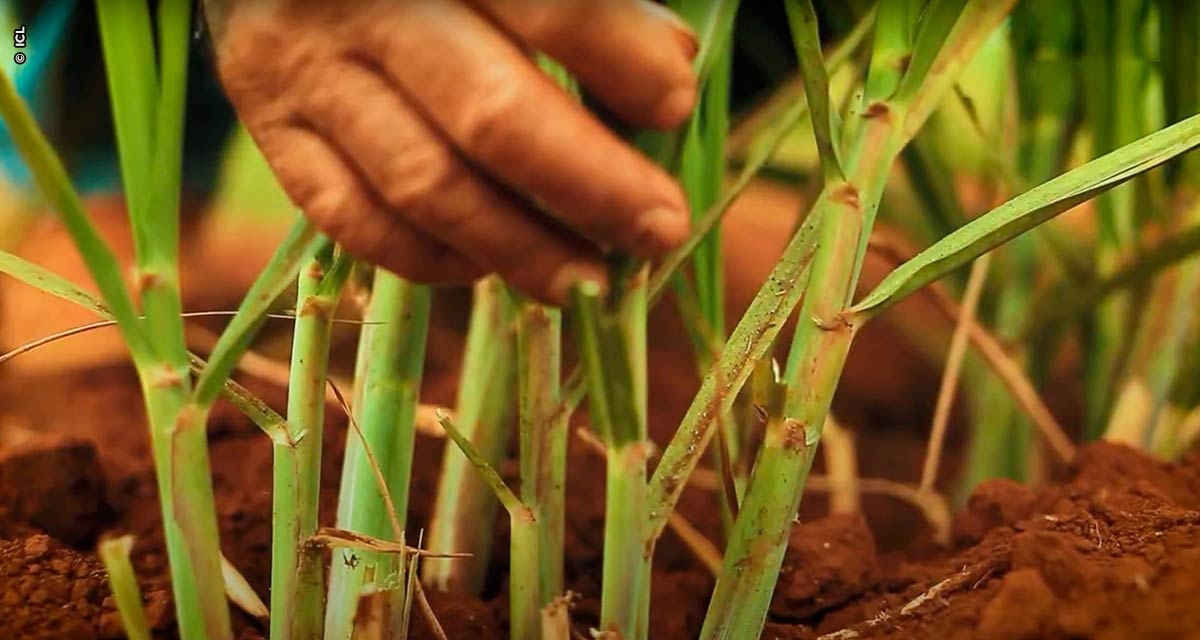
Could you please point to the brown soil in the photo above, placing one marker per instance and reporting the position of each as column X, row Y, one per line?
column 1112, row 550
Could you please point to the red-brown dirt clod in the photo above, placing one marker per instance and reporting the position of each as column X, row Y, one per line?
column 1110, row 551
column 48, row 590
column 54, row 484
column 994, row 503
column 828, row 562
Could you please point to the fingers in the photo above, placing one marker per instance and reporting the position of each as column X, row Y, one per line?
column 481, row 92
column 332, row 196
column 634, row 55
column 418, row 177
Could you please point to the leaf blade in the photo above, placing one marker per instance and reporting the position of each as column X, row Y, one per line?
column 1031, row 209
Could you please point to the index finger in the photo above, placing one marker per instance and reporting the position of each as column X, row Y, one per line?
column 634, row 55
column 498, row 109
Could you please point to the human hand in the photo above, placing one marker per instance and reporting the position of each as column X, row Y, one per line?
column 421, row 136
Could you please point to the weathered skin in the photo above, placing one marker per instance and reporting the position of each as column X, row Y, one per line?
column 421, row 136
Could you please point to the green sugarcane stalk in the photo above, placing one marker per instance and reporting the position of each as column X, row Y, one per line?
column 464, row 512
column 297, row 569
column 847, row 209
column 1001, row 437
column 1162, row 323
column 391, row 355
column 543, row 440
column 702, row 174
column 1114, row 82
column 123, row 582
column 755, row 553
column 614, row 396
column 148, row 118
column 525, row 575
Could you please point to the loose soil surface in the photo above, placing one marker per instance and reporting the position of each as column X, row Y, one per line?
column 1111, row 549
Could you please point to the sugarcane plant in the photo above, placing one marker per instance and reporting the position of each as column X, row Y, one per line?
column 902, row 63
column 147, row 86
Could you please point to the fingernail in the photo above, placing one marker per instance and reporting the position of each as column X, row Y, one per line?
column 575, row 272
column 686, row 37
column 660, row 230
column 675, row 107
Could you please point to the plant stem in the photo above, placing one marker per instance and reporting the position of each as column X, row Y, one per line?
column 391, row 355
column 543, row 440
column 755, row 553
column 1162, row 324
column 148, row 118
column 950, row 375
column 823, row 336
column 122, row 580
column 604, row 348
column 1113, row 80
column 465, row 508
column 297, row 569
column 524, row 577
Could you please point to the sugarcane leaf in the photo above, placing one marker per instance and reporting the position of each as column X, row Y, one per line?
column 114, row 553
column 301, row 243
column 937, row 21
column 895, row 22
column 1031, row 209
column 750, row 340
column 49, row 282
column 126, row 35
column 770, row 136
column 490, row 476
column 51, row 177
column 803, row 20
column 712, row 21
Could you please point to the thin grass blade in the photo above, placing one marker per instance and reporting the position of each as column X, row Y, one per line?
column 1031, row 209
column 803, row 20
column 301, row 243
column 114, row 553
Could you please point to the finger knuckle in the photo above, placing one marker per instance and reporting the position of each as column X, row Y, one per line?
column 414, row 180
column 484, row 127
column 553, row 24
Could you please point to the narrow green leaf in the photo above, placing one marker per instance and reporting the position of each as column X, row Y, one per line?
column 301, row 243
column 895, row 21
column 126, row 35
column 749, row 342
column 51, row 177
column 1031, row 209
column 114, row 553
column 712, row 20
column 49, row 282
column 605, row 356
column 490, row 476
column 937, row 21
column 803, row 20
